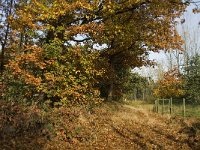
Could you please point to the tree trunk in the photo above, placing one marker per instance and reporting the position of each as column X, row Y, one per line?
column 3, row 49
column 110, row 91
column 4, row 42
column 111, row 82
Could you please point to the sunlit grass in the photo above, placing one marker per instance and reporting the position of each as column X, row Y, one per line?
column 140, row 104
column 177, row 109
column 190, row 110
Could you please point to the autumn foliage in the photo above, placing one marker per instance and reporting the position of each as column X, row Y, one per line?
column 60, row 58
column 171, row 85
column 49, row 73
column 68, row 51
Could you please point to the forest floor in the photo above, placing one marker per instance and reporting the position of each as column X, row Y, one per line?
column 111, row 126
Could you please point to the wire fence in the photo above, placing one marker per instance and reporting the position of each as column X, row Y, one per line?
column 177, row 107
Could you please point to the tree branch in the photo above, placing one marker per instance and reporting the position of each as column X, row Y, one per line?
column 85, row 39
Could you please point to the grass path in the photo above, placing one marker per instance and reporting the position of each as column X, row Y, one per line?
column 152, row 131
column 111, row 126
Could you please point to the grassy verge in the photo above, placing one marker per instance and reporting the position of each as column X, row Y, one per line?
column 190, row 110
column 140, row 104
column 177, row 110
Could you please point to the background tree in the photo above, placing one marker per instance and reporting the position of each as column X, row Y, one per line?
column 136, row 86
column 171, row 85
column 193, row 80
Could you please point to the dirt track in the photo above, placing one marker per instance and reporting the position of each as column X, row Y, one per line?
column 111, row 126
column 132, row 128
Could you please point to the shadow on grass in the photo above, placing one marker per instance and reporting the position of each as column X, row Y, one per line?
column 136, row 138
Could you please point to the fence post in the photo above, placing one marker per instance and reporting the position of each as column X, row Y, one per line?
column 170, row 105
column 158, row 102
column 155, row 106
column 168, row 108
column 162, row 106
column 143, row 98
column 135, row 94
column 184, row 107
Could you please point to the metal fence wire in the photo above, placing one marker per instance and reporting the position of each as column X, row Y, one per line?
column 177, row 107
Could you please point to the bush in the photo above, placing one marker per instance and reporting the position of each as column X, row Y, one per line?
column 54, row 72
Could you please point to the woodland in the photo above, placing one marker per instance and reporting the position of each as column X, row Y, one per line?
column 66, row 66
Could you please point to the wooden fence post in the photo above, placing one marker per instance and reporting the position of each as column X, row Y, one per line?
column 168, row 108
column 155, row 108
column 170, row 105
column 184, row 107
column 143, row 98
column 135, row 94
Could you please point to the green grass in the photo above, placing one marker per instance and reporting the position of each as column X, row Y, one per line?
column 190, row 110
column 140, row 104
column 177, row 109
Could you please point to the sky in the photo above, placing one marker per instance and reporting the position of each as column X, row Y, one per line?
column 191, row 28
column 191, row 24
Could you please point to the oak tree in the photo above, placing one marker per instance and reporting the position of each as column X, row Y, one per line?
column 68, row 48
